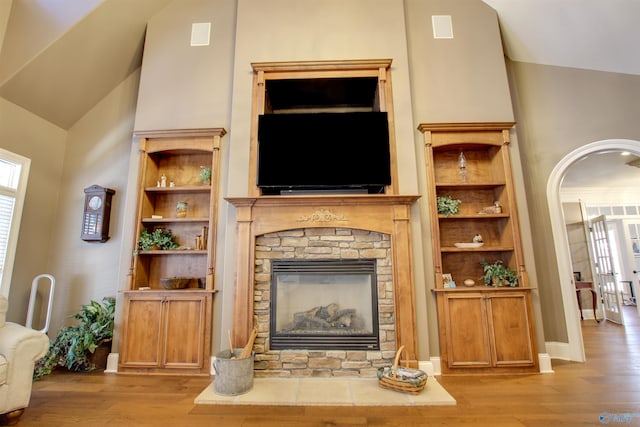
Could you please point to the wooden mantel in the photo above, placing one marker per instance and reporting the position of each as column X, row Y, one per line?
column 388, row 214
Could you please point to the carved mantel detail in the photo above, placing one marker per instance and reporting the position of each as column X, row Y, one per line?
column 388, row 214
column 322, row 215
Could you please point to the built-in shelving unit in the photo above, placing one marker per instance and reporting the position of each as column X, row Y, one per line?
column 483, row 328
column 168, row 331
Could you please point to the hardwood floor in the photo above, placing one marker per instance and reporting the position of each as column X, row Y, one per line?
column 577, row 394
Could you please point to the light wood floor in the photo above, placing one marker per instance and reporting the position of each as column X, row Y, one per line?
column 577, row 394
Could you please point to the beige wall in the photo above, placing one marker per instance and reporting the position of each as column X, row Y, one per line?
column 578, row 246
column 28, row 135
column 288, row 30
column 5, row 10
column 463, row 79
column 458, row 80
column 185, row 87
column 33, row 27
column 558, row 111
column 97, row 151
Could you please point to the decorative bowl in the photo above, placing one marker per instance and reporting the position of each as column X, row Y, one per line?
column 468, row 245
column 175, row 282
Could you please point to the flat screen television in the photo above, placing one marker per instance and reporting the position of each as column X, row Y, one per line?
column 323, row 152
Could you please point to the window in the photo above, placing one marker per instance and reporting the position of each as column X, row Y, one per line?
column 14, row 170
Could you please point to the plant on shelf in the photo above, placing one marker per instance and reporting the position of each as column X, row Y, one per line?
column 74, row 345
column 205, row 175
column 161, row 238
column 448, row 206
column 497, row 274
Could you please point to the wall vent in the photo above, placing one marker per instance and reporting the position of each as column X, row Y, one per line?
column 442, row 27
column 200, row 33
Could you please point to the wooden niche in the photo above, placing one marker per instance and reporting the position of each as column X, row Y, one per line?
column 482, row 329
column 168, row 331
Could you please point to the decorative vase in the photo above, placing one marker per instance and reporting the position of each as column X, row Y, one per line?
column 99, row 357
column 181, row 209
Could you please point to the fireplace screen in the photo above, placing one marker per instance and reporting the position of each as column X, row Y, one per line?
column 324, row 304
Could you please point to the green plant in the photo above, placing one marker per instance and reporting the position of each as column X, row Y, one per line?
column 74, row 344
column 205, row 174
column 160, row 237
column 497, row 274
column 448, row 206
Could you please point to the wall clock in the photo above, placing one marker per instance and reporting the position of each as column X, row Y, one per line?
column 97, row 213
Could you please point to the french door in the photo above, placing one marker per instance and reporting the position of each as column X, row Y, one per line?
column 605, row 272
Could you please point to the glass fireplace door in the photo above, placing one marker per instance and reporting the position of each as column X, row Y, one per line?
column 324, row 304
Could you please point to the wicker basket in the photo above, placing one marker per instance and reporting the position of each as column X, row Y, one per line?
column 405, row 380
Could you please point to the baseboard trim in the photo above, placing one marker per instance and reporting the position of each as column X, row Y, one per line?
column 544, row 362
column 558, row 350
column 587, row 314
column 431, row 366
column 112, row 363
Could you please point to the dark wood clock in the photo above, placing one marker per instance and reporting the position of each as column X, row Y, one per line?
column 97, row 213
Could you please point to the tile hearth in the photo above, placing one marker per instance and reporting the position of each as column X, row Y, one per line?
column 327, row 392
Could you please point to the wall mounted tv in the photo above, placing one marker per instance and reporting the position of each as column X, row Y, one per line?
column 323, row 152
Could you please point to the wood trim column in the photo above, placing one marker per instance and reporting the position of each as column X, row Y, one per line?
column 406, row 333
column 243, row 291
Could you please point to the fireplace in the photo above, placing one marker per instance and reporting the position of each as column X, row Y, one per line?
column 322, row 227
column 324, row 305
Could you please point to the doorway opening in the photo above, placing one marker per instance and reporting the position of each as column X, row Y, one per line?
column 575, row 346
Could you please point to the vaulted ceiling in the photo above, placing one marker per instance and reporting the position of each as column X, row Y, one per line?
column 589, row 34
column 58, row 58
column 60, row 61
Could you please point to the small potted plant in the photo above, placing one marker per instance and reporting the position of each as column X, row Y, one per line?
column 75, row 346
column 497, row 274
column 448, row 206
column 205, row 175
column 159, row 238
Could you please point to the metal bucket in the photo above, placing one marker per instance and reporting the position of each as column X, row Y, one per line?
column 233, row 376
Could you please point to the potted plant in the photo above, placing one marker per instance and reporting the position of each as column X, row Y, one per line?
column 448, row 206
column 497, row 274
column 205, row 175
column 160, row 238
column 75, row 345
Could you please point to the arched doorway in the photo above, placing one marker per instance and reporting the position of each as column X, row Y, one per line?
column 575, row 348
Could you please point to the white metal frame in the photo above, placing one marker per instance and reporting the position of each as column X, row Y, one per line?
column 35, row 287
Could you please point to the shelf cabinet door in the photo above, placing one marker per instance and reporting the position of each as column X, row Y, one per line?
column 511, row 330
column 183, row 346
column 166, row 332
column 487, row 330
column 142, row 332
column 466, row 331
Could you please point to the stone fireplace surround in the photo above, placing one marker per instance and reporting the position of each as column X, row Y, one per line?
column 323, row 243
column 262, row 216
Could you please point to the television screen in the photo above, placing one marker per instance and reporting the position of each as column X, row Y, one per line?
column 323, row 152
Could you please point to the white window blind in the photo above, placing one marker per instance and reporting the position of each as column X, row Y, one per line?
column 13, row 176
column 6, row 215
